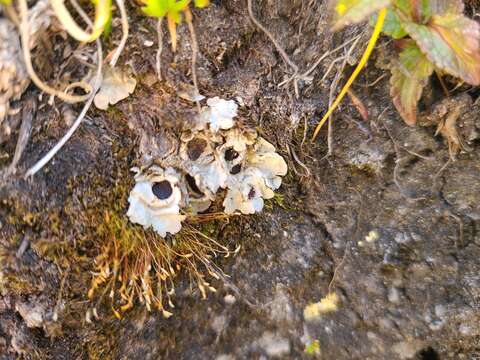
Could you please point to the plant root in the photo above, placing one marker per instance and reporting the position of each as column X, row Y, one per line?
column 279, row 48
column 97, row 83
column 28, row 114
column 125, row 30
column 158, row 58
column 193, row 36
column 25, row 40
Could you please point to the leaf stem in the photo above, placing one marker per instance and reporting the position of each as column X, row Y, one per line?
column 360, row 66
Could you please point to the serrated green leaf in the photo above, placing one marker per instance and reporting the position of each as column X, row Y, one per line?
column 202, row 3
column 452, row 43
column 418, row 11
column 354, row 11
column 392, row 26
column 405, row 6
column 409, row 77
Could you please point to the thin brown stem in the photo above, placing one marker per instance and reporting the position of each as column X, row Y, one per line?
column 193, row 37
column 158, row 58
column 279, row 48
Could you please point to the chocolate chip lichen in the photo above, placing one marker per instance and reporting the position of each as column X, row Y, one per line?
column 217, row 154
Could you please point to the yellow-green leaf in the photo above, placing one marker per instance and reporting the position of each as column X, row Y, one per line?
column 108, row 24
column 313, row 348
column 172, row 9
column 452, row 43
column 354, row 11
column 202, row 3
column 409, row 77
column 161, row 8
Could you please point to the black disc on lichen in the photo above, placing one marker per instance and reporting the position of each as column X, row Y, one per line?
column 162, row 189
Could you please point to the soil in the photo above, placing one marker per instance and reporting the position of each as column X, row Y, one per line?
column 386, row 221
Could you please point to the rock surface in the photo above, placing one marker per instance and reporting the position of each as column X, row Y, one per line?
column 385, row 229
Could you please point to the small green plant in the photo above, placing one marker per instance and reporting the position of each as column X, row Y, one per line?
column 432, row 35
column 172, row 10
column 313, row 348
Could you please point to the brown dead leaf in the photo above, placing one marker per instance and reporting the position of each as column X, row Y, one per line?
column 359, row 105
column 448, row 129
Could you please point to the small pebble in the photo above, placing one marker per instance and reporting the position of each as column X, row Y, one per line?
column 372, row 236
column 465, row 329
column 229, row 299
column 440, row 310
column 274, row 345
column 393, row 295
column 402, row 238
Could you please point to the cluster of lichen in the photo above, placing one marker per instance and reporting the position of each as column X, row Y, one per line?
column 136, row 265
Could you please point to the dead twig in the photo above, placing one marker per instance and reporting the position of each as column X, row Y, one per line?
column 459, row 241
column 337, row 268
column 398, row 163
column 442, row 84
column 332, row 91
column 158, row 58
column 374, row 82
column 125, row 29
column 279, row 48
column 96, row 86
column 23, row 247
column 28, row 113
column 193, row 36
column 328, row 53
column 305, row 76
column 305, row 129
column 331, row 66
column 330, row 101
column 299, row 162
column 442, row 169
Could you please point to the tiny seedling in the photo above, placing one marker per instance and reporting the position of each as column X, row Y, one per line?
column 172, row 10
column 432, row 35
